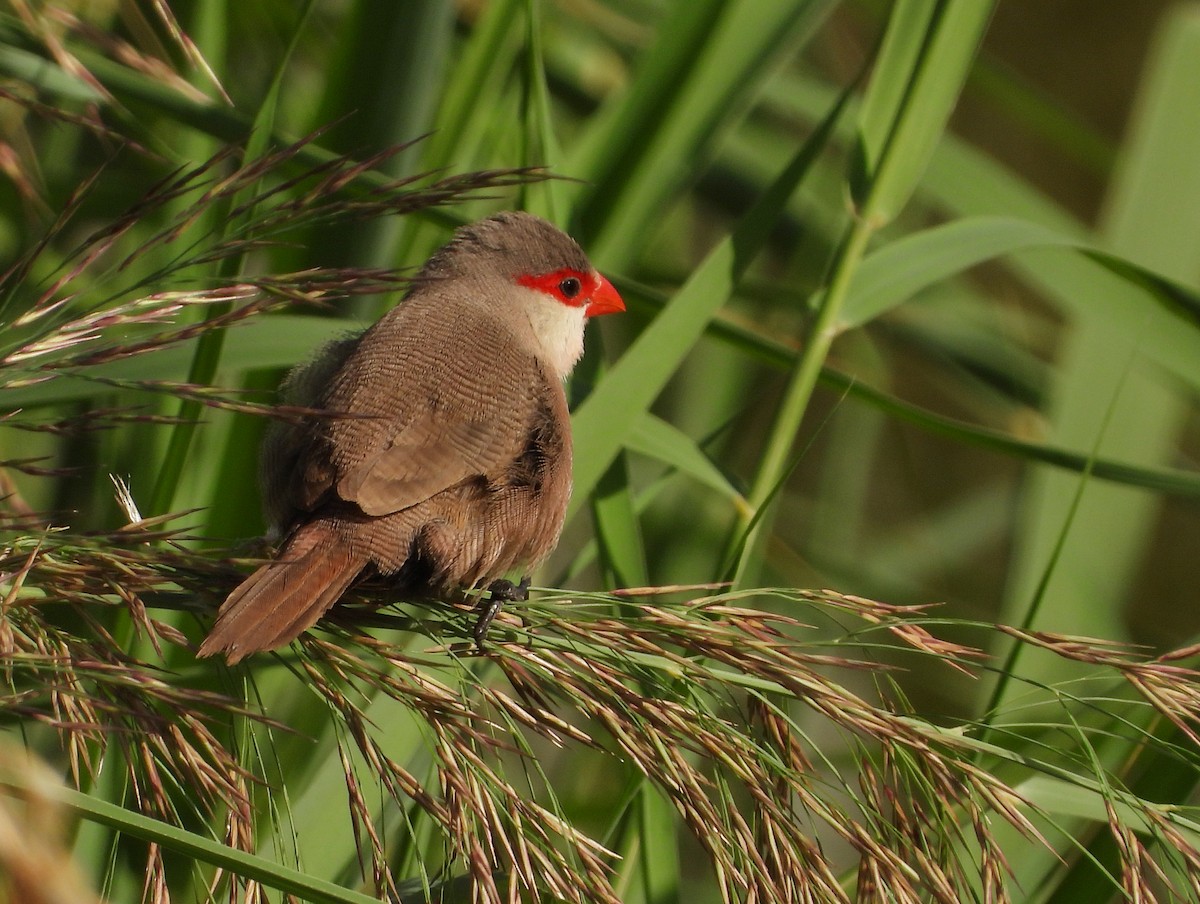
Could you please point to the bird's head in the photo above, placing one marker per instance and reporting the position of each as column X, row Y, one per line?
column 536, row 279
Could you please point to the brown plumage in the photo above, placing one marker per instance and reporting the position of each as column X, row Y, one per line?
column 446, row 457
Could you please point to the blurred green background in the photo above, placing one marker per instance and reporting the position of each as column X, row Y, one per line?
column 1006, row 314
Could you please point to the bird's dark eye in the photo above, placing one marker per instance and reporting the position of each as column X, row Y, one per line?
column 570, row 287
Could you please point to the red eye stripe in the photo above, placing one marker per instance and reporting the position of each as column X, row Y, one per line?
column 560, row 283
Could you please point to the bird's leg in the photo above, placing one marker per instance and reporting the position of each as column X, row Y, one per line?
column 499, row 592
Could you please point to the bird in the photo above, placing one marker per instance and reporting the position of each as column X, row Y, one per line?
column 436, row 448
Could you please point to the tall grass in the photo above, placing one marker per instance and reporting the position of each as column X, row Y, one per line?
column 860, row 354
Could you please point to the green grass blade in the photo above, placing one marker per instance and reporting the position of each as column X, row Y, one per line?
column 664, row 442
column 473, row 87
column 660, row 863
column 688, row 109
column 1176, row 482
column 321, row 790
column 927, row 52
column 902, row 268
column 31, row 69
column 604, row 421
column 198, row 847
column 387, row 70
column 605, row 155
column 547, row 198
column 618, row 533
column 898, row 58
column 912, row 123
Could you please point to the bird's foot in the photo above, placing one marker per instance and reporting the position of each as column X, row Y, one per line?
column 499, row 593
column 507, row 591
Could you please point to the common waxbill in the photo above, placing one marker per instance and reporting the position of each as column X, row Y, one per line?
column 443, row 453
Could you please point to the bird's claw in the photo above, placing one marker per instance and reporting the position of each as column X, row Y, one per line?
column 499, row 592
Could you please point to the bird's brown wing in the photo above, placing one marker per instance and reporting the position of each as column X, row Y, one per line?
column 464, row 411
column 429, row 454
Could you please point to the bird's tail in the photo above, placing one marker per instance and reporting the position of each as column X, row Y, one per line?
column 284, row 598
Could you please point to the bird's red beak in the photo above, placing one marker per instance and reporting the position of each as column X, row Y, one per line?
column 605, row 300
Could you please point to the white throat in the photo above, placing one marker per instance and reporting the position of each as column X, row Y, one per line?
column 555, row 330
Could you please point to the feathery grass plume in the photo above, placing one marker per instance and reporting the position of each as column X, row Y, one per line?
column 90, row 306
column 1172, row 689
column 715, row 701
column 148, row 63
column 65, row 670
column 660, row 689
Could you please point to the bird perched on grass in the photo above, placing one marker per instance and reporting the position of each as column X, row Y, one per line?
column 442, row 456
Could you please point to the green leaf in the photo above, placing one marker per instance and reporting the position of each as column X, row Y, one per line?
column 208, row 349
column 904, row 267
column 1064, row 798
column 474, row 85
column 662, row 441
column 618, row 532
column 189, row 844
